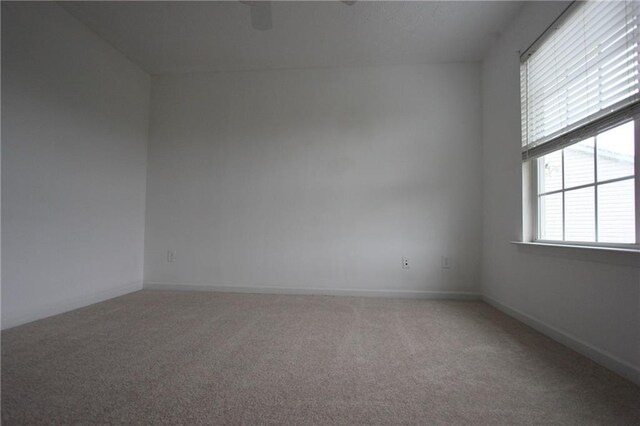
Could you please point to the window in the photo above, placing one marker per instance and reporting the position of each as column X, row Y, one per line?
column 580, row 95
column 586, row 191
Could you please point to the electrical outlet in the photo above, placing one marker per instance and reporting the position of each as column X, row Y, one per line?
column 405, row 263
column 445, row 262
column 171, row 256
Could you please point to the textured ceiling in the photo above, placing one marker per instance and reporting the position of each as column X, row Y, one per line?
column 170, row 37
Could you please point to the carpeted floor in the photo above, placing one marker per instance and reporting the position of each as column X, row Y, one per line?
column 157, row 357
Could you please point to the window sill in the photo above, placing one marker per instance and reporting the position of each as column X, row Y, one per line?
column 577, row 246
column 598, row 254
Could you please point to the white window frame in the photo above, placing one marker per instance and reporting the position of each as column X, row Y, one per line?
column 600, row 121
column 580, row 134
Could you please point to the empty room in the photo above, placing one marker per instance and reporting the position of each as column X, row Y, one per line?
column 320, row 212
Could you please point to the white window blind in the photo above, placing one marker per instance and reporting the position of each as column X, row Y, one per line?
column 584, row 68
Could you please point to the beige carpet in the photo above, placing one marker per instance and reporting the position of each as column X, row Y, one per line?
column 155, row 357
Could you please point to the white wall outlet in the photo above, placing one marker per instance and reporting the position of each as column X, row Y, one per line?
column 445, row 262
column 405, row 263
column 171, row 256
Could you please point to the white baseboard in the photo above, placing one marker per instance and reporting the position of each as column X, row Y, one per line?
column 600, row 356
column 406, row 294
column 69, row 305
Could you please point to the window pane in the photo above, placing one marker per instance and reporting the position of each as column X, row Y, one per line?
column 551, row 217
column 578, row 163
column 616, row 212
column 550, row 172
column 580, row 217
column 615, row 152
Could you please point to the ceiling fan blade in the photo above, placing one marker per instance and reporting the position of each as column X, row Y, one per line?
column 261, row 15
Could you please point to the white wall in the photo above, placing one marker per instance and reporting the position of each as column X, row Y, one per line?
column 588, row 300
column 318, row 180
column 312, row 180
column 74, row 132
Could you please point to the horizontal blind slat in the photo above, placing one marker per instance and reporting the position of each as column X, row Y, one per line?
column 587, row 65
column 607, row 25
